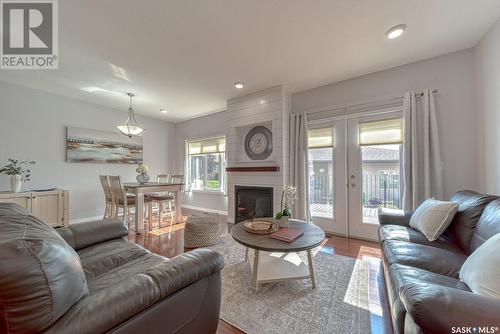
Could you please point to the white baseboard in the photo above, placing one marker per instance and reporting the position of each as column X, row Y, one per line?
column 85, row 220
column 190, row 207
column 196, row 208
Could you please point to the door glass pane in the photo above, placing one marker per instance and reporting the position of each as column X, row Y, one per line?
column 321, row 182
column 381, row 180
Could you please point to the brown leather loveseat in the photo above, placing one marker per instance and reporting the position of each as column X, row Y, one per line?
column 85, row 278
column 422, row 277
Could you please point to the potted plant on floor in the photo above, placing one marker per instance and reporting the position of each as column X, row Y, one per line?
column 17, row 172
column 288, row 198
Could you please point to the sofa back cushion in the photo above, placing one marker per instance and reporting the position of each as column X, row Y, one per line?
column 470, row 207
column 40, row 274
column 487, row 226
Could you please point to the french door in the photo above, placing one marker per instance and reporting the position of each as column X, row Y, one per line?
column 355, row 173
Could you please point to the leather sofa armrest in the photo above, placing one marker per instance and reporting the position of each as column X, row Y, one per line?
column 437, row 309
column 84, row 235
column 394, row 217
column 110, row 307
column 185, row 269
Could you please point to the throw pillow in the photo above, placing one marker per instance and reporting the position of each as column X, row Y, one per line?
column 481, row 271
column 433, row 217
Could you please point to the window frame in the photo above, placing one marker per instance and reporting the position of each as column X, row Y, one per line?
column 222, row 166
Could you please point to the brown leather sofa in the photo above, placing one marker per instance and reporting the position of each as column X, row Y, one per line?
column 85, row 278
column 422, row 277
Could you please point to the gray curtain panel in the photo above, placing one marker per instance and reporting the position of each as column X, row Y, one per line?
column 298, row 165
column 422, row 164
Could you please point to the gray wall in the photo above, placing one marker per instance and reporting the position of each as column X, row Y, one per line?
column 452, row 74
column 201, row 127
column 487, row 57
column 32, row 126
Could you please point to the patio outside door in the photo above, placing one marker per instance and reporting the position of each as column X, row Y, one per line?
column 354, row 169
column 374, row 172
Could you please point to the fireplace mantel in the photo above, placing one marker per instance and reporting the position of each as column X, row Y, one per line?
column 253, row 169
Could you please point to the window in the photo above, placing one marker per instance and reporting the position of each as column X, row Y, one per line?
column 205, row 164
column 320, row 153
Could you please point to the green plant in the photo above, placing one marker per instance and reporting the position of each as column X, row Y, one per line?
column 142, row 169
column 213, row 184
column 288, row 197
column 17, row 167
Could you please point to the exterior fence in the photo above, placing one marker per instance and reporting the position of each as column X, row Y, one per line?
column 379, row 190
column 382, row 190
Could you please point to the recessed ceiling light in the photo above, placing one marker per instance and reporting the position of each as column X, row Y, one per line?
column 164, row 111
column 396, row 31
column 238, row 84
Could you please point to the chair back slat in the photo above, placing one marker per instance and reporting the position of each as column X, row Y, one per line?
column 177, row 179
column 117, row 189
column 164, row 178
column 106, row 188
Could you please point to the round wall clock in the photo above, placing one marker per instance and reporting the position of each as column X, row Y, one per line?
column 259, row 143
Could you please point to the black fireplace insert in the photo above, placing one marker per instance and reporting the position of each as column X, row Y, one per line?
column 253, row 202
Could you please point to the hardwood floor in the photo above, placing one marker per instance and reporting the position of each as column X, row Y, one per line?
column 168, row 241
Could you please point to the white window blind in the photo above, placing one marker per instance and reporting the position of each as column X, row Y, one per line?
column 388, row 131
column 321, row 138
column 214, row 145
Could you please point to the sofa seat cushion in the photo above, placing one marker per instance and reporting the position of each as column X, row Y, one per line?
column 401, row 276
column 437, row 260
column 138, row 266
column 408, row 234
column 104, row 257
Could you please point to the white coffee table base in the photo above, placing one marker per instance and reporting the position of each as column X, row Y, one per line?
column 275, row 267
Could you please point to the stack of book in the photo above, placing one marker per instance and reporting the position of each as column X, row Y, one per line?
column 287, row 234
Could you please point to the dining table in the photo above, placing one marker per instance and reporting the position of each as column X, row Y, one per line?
column 139, row 190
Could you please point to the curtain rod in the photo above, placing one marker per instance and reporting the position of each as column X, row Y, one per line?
column 434, row 91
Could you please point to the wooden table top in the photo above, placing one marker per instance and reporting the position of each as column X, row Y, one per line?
column 149, row 184
column 313, row 236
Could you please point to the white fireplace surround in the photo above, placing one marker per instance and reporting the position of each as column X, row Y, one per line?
column 269, row 108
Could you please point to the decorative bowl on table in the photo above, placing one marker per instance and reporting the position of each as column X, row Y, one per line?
column 261, row 225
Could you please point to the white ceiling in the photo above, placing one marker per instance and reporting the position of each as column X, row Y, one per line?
column 185, row 55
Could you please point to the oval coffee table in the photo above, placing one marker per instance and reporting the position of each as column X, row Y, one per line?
column 274, row 260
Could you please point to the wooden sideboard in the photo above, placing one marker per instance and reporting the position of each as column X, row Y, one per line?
column 50, row 206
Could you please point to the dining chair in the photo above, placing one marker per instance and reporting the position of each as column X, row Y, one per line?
column 163, row 178
column 121, row 200
column 109, row 207
column 162, row 199
column 179, row 178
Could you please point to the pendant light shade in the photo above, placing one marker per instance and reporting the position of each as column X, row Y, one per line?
column 131, row 128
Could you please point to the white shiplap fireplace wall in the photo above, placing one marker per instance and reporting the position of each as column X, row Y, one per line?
column 269, row 108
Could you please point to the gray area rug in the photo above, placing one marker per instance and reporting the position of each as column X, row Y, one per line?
column 339, row 304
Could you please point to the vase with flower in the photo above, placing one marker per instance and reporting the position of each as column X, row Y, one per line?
column 288, row 198
column 18, row 173
column 143, row 176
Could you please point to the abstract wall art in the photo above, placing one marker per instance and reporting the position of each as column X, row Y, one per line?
column 95, row 146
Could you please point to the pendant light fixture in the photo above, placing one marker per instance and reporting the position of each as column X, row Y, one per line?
column 131, row 128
